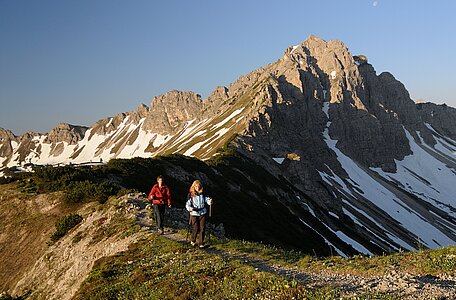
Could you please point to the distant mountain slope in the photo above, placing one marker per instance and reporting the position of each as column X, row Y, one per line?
column 378, row 171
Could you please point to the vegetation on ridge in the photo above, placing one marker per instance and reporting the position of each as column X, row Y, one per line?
column 64, row 225
column 249, row 200
column 159, row 268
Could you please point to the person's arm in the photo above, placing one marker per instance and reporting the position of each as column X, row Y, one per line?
column 188, row 205
column 151, row 194
column 168, row 196
column 208, row 200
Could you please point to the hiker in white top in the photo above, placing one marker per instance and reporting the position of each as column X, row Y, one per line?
column 197, row 204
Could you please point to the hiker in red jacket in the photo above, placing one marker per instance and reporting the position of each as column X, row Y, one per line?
column 160, row 198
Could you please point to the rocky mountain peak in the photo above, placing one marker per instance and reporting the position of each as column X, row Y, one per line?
column 168, row 111
column 141, row 112
column 5, row 133
column 220, row 92
column 175, row 97
column 142, row 109
column 65, row 132
column 214, row 102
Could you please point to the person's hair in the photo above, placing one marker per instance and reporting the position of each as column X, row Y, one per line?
column 160, row 177
column 193, row 187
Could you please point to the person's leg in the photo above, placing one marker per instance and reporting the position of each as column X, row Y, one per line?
column 195, row 226
column 157, row 216
column 162, row 216
column 202, row 227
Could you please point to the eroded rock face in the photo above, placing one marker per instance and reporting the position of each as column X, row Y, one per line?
column 367, row 111
column 169, row 111
column 66, row 133
column 6, row 149
column 441, row 117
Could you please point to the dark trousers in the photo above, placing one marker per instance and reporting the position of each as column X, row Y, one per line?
column 199, row 227
column 159, row 215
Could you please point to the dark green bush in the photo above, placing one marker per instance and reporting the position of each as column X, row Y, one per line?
column 64, row 225
column 82, row 191
column 6, row 296
column 50, row 179
column 13, row 177
column 104, row 190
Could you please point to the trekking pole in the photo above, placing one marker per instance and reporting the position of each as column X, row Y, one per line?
column 188, row 232
column 208, row 223
column 210, row 209
column 189, row 227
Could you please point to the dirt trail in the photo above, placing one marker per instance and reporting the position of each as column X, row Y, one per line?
column 403, row 285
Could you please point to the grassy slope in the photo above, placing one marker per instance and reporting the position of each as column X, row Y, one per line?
column 158, row 268
column 424, row 262
column 26, row 222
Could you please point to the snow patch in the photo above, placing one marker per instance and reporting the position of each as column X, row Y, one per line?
column 308, row 208
column 194, row 148
column 425, row 176
column 340, row 252
column 279, row 160
column 110, row 122
column 326, row 110
column 231, row 116
column 159, row 140
column 357, row 246
column 333, row 214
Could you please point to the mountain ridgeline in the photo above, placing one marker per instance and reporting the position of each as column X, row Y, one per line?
column 354, row 164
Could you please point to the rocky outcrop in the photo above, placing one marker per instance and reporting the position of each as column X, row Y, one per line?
column 6, row 149
column 441, row 117
column 66, row 133
column 169, row 111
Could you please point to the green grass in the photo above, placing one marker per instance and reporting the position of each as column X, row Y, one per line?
column 423, row 262
column 157, row 268
column 434, row 262
column 258, row 251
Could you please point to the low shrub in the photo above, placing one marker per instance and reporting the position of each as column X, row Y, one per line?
column 6, row 296
column 82, row 191
column 64, row 225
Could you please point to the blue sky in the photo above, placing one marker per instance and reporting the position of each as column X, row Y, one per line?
column 80, row 61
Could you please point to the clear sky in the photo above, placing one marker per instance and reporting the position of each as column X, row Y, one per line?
column 80, row 61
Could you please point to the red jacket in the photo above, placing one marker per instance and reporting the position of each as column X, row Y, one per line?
column 160, row 195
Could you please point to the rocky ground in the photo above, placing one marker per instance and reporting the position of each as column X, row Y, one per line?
column 397, row 282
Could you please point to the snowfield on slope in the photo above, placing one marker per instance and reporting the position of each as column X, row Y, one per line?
column 425, row 176
column 370, row 189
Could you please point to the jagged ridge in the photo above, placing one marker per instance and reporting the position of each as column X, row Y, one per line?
column 378, row 170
